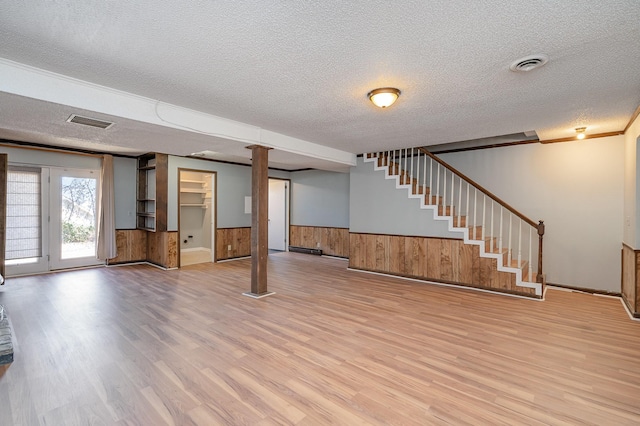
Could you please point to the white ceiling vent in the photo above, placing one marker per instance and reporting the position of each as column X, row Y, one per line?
column 529, row 63
column 86, row 121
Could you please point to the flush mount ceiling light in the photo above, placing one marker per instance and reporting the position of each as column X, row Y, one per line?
column 580, row 132
column 529, row 63
column 384, row 97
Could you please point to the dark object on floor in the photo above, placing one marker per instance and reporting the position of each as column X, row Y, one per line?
column 6, row 344
column 306, row 250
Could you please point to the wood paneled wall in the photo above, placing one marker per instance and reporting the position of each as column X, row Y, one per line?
column 631, row 279
column 433, row 259
column 162, row 248
column 131, row 245
column 138, row 245
column 332, row 241
column 238, row 238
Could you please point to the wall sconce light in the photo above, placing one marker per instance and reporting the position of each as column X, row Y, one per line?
column 384, row 97
column 580, row 132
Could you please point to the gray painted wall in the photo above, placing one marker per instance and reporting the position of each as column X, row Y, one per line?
column 233, row 184
column 124, row 169
column 377, row 206
column 320, row 198
column 124, row 181
column 576, row 188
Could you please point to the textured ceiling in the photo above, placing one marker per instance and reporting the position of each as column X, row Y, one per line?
column 303, row 69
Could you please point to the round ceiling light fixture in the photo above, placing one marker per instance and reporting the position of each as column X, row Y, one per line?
column 529, row 63
column 384, row 97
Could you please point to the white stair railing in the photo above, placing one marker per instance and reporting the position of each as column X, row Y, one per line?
column 451, row 193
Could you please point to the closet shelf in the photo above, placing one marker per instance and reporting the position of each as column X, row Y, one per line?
column 146, row 214
column 193, row 191
column 193, row 205
column 192, row 181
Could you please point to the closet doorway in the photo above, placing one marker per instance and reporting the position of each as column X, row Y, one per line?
column 196, row 216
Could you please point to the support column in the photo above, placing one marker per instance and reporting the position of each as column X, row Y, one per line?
column 259, row 221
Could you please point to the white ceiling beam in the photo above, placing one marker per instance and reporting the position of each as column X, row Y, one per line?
column 24, row 80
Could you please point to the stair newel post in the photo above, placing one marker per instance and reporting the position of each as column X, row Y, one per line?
column 520, row 244
column 459, row 201
column 540, row 235
column 530, row 256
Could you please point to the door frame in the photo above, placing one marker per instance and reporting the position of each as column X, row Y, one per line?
column 287, row 210
column 55, row 220
column 214, row 207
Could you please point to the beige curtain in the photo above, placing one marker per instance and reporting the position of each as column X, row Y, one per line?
column 106, row 215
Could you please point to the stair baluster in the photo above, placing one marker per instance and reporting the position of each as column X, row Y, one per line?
column 492, row 233
column 530, row 258
column 520, row 245
column 510, row 252
column 459, row 203
column 466, row 219
column 418, row 189
column 411, row 178
column 444, row 192
column 484, row 205
column 500, row 240
column 438, row 186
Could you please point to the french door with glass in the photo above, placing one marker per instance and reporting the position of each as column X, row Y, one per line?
column 74, row 218
column 51, row 219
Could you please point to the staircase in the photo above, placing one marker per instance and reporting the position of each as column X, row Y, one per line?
column 481, row 218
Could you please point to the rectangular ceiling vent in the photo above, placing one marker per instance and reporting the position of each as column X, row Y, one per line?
column 86, row 121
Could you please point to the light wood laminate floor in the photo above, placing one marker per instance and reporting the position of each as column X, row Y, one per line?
column 135, row 345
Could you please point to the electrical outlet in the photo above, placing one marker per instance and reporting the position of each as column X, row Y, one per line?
column 229, row 247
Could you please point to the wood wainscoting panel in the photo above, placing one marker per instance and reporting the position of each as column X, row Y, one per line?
column 332, row 241
column 631, row 278
column 162, row 248
column 238, row 238
column 434, row 259
column 131, row 246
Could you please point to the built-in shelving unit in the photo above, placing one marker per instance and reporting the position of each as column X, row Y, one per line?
column 151, row 194
column 146, row 201
column 193, row 193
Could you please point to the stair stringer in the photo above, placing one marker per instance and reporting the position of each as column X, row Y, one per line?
column 452, row 228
